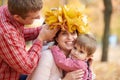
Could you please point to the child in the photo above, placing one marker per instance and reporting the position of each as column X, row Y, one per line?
column 80, row 55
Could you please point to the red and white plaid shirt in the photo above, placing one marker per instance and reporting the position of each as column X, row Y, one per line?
column 14, row 59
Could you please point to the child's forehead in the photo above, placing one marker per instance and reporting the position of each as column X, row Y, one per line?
column 78, row 45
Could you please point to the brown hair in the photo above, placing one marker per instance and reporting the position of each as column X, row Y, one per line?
column 56, row 37
column 88, row 42
column 23, row 7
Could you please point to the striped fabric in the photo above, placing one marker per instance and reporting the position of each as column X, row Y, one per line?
column 14, row 59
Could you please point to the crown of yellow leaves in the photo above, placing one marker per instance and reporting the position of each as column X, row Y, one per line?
column 67, row 18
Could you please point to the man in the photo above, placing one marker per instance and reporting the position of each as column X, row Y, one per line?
column 14, row 59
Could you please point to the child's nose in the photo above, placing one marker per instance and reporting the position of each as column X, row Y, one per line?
column 75, row 52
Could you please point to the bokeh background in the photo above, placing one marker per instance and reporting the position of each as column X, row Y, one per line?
column 104, row 70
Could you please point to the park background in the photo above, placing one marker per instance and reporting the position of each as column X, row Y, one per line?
column 104, row 70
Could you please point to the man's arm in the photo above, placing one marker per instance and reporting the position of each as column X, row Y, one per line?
column 13, row 52
column 31, row 33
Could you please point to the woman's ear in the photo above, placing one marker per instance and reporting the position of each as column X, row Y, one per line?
column 56, row 39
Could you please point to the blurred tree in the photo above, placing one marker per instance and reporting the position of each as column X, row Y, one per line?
column 1, row 2
column 49, row 4
column 63, row 2
column 107, row 18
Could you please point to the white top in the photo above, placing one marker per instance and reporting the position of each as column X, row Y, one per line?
column 46, row 69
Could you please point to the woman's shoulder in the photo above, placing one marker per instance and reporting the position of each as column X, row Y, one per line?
column 47, row 51
column 47, row 54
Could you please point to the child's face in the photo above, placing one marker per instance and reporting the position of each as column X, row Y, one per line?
column 78, row 53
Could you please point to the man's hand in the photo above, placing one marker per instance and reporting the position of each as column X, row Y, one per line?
column 47, row 34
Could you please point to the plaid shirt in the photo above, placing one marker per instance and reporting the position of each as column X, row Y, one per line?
column 14, row 59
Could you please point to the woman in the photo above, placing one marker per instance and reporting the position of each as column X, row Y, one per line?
column 65, row 38
column 47, row 69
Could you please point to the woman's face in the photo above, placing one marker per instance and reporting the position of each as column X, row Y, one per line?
column 66, row 40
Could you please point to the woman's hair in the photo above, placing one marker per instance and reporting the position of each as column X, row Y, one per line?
column 88, row 42
column 23, row 7
column 55, row 42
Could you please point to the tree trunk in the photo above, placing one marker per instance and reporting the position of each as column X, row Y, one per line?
column 107, row 17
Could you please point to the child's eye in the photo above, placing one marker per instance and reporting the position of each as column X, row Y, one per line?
column 75, row 48
column 81, row 51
